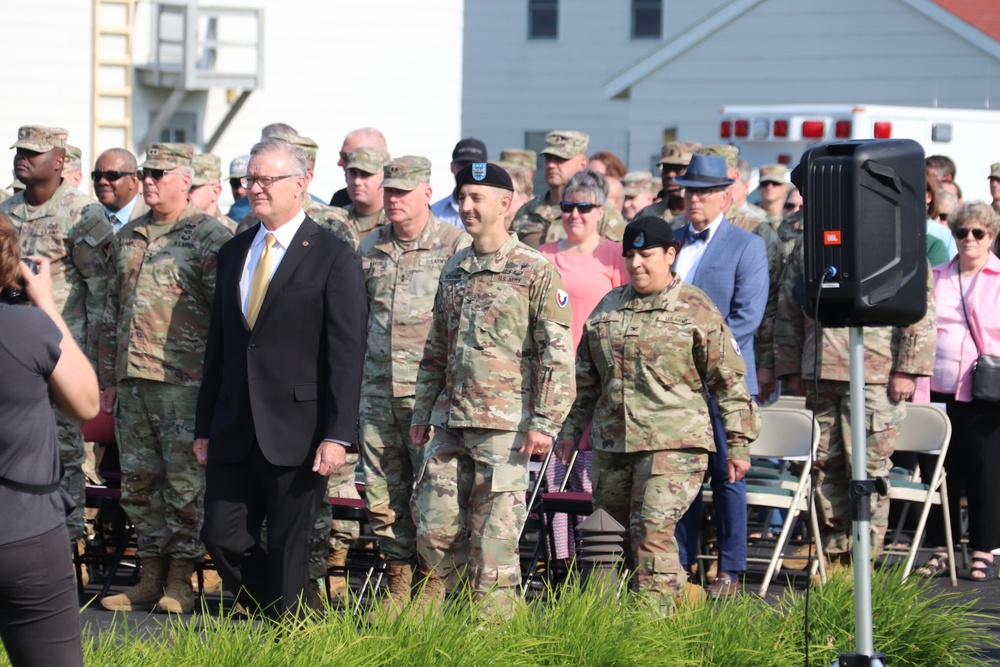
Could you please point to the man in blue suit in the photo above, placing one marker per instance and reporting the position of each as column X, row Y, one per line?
column 730, row 265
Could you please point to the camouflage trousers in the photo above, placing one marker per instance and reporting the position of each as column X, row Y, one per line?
column 329, row 533
column 73, row 455
column 649, row 492
column 470, row 494
column 163, row 485
column 833, row 459
column 391, row 463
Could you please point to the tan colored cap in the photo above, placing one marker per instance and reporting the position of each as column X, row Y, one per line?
column 520, row 158
column 74, row 158
column 995, row 170
column 367, row 159
column 407, row 172
column 40, row 138
column 238, row 167
column 730, row 153
column 637, row 182
column 308, row 147
column 678, row 152
column 566, row 144
column 168, row 156
column 206, row 167
column 773, row 173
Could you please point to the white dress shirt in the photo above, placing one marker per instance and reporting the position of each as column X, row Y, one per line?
column 690, row 255
column 446, row 210
column 282, row 238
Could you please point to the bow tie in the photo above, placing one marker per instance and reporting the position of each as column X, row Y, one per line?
column 693, row 236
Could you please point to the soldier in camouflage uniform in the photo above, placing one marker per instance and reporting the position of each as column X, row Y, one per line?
column 675, row 156
column 402, row 262
column 331, row 218
column 161, row 281
column 58, row 222
column 72, row 172
column 789, row 232
column 364, row 186
column 646, row 351
column 495, row 382
column 894, row 356
column 773, row 190
column 206, row 187
column 638, row 191
column 519, row 158
column 540, row 220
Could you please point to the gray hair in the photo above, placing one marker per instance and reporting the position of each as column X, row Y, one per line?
column 975, row 211
column 587, row 182
column 743, row 167
column 945, row 196
column 296, row 159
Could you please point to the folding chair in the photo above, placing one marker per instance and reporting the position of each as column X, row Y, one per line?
column 925, row 430
column 531, row 537
column 790, row 402
column 790, row 435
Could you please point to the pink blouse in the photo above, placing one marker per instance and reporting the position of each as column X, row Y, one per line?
column 588, row 277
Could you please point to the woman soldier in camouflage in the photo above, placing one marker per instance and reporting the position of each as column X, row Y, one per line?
column 648, row 352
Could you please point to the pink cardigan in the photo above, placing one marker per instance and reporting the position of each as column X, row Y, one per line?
column 983, row 305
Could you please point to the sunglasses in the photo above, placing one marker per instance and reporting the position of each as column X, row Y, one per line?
column 155, row 174
column 583, row 207
column 110, row 176
column 962, row 232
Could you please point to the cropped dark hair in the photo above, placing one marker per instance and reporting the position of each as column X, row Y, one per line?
column 10, row 253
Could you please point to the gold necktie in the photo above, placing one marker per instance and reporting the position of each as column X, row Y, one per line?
column 261, row 277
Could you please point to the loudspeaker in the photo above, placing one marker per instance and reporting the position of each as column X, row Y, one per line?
column 864, row 232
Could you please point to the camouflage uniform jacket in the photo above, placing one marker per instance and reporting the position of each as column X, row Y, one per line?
column 763, row 342
column 660, row 210
column 401, row 285
column 161, row 282
column 639, row 373
column 499, row 354
column 226, row 221
column 539, row 222
column 330, row 218
column 789, row 231
column 359, row 229
column 75, row 234
column 888, row 350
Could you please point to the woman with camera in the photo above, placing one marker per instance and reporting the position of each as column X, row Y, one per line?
column 40, row 364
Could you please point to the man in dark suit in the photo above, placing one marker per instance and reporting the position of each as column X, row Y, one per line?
column 730, row 265
column 279, row 399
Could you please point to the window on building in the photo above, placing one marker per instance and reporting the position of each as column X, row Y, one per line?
column 543, row 19
column 181, row 128
column 647, row 19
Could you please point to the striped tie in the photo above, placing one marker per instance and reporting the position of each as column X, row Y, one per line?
column 261, row 276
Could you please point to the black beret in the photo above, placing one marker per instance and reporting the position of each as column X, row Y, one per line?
column 483, row 173
column 648, row 231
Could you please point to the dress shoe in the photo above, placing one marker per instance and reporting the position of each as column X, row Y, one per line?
column 725, row 586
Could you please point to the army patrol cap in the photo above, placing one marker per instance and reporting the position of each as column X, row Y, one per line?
column 238, row 167
column 649, row 231
column 74, row 158
column 308, row 147
column 521, row 158
column 367, row 159
column 168, row 156
column 406, row 173
column 483, row 173
column 206, row 167
column 678, row 152
column 637, row 182
column 776, row 173
column 39, row 138
column 730, row 153
column 705, row 171
column 566, row 144
column 995, row 170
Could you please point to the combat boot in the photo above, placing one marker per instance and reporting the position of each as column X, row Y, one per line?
column 430, row 594
column 178, row 598
column 337, row 558
column 145, row 594
column 400, row 576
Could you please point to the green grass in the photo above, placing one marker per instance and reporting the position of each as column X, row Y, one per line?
column 913, row 624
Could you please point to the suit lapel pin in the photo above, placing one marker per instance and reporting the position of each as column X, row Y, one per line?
column 305, row 243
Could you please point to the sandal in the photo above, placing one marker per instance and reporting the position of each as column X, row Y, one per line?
column 935, row 566
column 987, row 569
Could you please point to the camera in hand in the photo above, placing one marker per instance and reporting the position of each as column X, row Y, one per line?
column 17, row 293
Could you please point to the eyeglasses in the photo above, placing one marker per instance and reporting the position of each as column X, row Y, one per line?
column 583, row 207
column 768, row 184
column 943, row 217
column 155, row 174
column 962, row 232
column 791, row 207
column 263, row 181
column 702, row 193
column 110, row 176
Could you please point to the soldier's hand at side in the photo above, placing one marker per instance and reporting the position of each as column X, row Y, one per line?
column 108, row 397
column 901, row 387
column 796, row 384
column 738, row 470
column 418, row 435
column 765, row 383
column 330, row 455
column 201, row 450
column 536, row 443
column 564, row 449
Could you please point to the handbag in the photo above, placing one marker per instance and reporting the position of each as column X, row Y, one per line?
column 986, row 370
